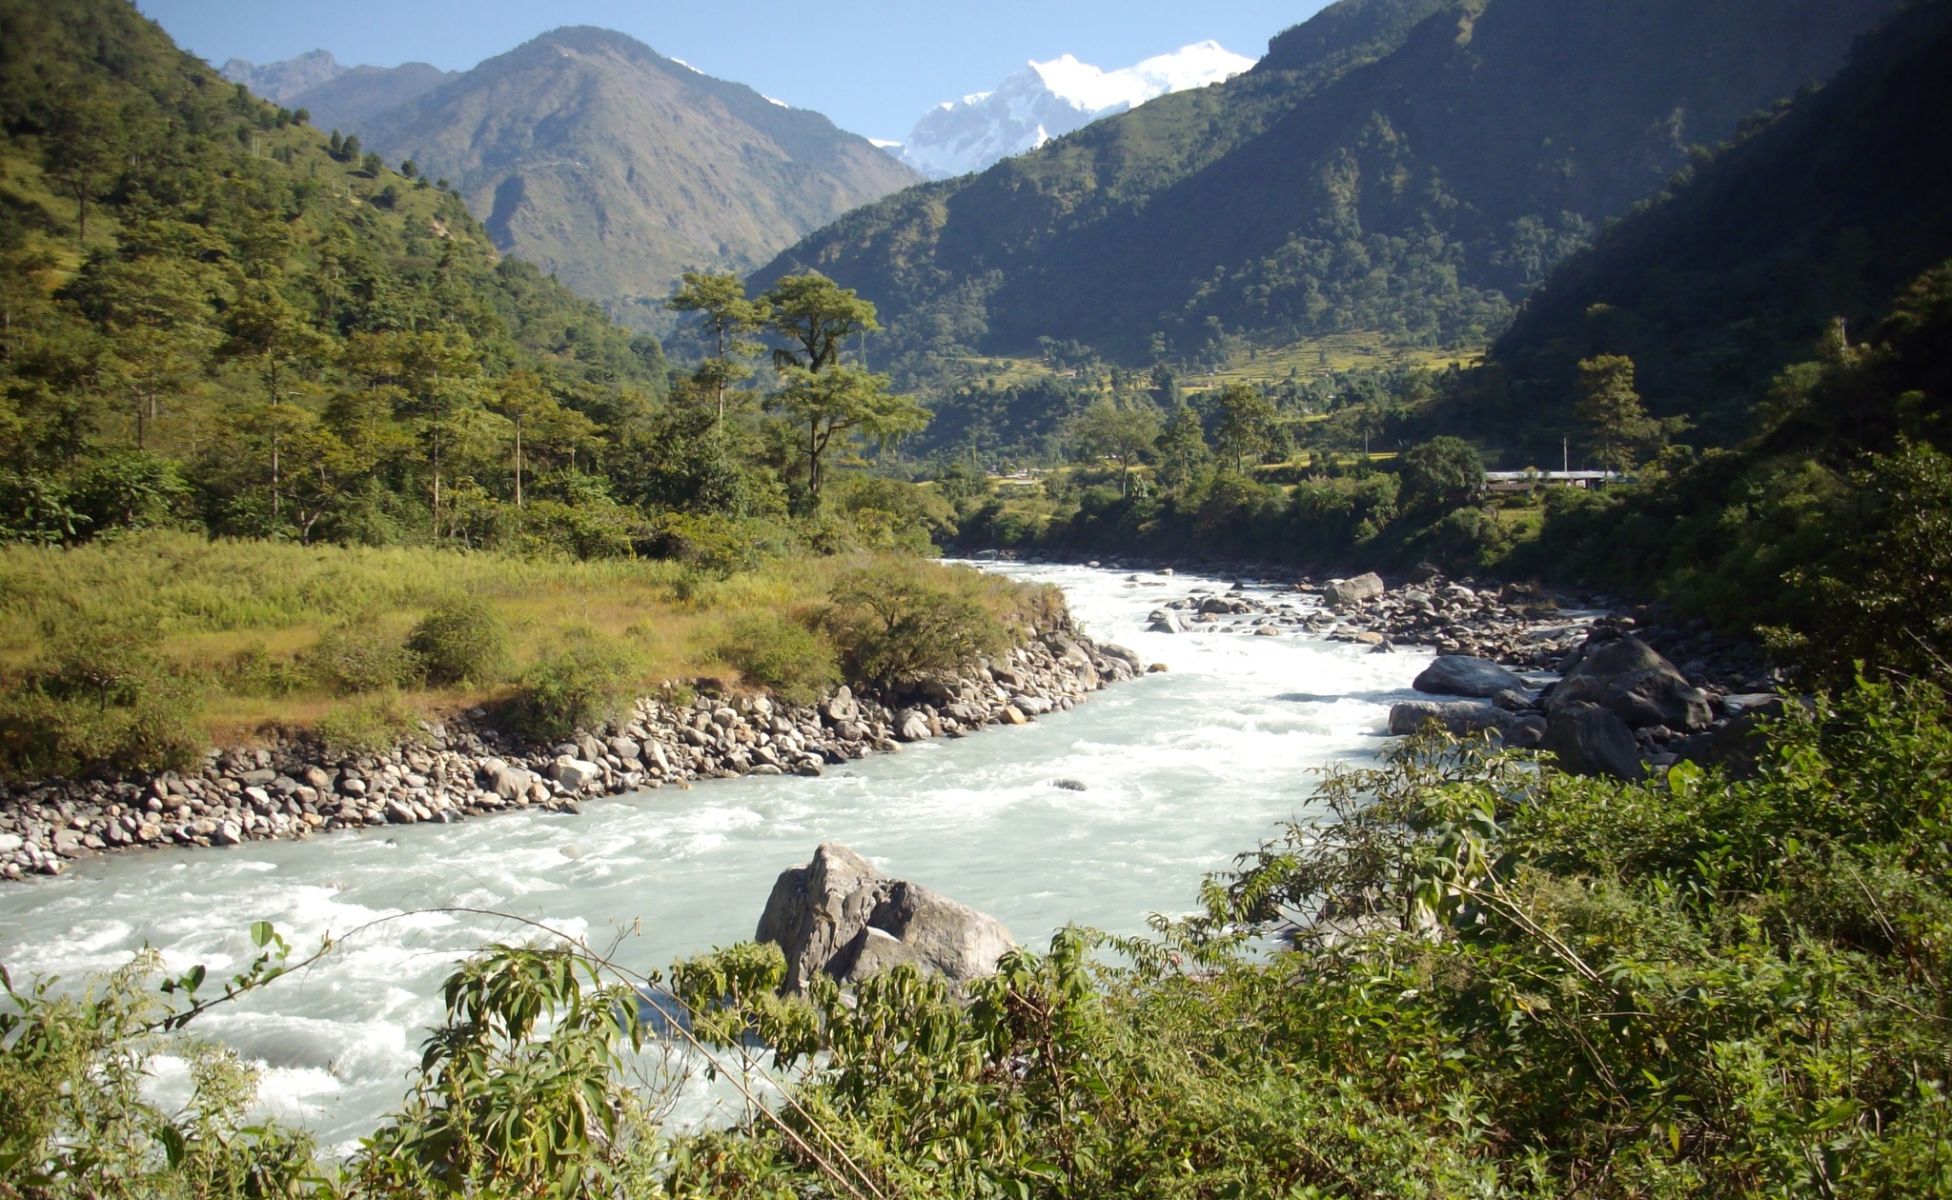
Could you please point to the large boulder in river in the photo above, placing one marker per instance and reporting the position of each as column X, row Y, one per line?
column 1459, row 718
column 840, row 916
column 1462, row 675
column 1591, row 740
column 1630, row 678
column 1348, row 593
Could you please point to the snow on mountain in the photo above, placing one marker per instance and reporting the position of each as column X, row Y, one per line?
column 1049, row 99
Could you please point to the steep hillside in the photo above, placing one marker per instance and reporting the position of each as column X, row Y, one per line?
column 210, row 316
column 1826, row 210
column 1412, row 167
column 615, row 169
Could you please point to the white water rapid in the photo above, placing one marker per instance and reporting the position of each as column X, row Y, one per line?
column 1181, row 771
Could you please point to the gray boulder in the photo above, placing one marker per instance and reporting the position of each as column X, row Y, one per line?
column 1347, row 593
column 1630, row 678
column 1591, row 740
column 1462, row 675
column 574, row 773
column 839, row 916
column 1459, row 718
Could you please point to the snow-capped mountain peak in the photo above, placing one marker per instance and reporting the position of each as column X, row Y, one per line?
column 1049, row 99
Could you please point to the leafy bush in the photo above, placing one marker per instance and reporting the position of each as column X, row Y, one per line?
column 578, row 686
column 107, row 703
column 898, row 619
column 368, row 724
column 358, row 656
column 255, row 671
column 796, row 663
column 462, row 641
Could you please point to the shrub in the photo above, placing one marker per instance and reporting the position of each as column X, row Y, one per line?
column 107, row 704
column 579, row 686
column 359, row 656
column 784, row 655
column 899, row 619
column 255, row 671
column 368, row 725
column 463, row 641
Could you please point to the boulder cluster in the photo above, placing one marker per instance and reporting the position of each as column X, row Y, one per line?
column 1617, row 707
column 463, row 766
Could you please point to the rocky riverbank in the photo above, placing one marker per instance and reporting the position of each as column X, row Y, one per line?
column 1617, row 706
column 462, row 766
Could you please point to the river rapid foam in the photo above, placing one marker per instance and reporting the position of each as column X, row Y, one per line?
column 1181, row 771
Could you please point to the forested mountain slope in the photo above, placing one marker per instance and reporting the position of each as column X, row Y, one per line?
column 614, row 168
column 209, row 311
column 1412, row 167
column 1825, row 211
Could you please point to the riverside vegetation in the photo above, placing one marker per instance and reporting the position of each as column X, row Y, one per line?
column 1497, row 980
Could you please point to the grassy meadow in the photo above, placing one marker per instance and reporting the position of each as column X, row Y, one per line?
column 248, row 619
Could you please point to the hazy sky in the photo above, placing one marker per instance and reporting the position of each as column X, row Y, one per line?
column 874, row 66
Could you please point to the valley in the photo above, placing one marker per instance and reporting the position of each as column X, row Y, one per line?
column 1358, row 622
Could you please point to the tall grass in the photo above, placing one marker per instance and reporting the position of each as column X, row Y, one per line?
column 211, row 605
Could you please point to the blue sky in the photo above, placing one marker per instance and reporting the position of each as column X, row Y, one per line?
column 874, row 66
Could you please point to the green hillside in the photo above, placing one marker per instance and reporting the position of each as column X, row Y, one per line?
column 213, row 312
column 1824, row 211
column 1409, row 167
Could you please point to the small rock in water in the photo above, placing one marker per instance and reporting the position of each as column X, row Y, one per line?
column 1069, row 785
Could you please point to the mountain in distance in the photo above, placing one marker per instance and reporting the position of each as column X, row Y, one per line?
column 336, row 96
column 280, row 81
column 1411, row 168
column 1049, row 99
column 616, row 169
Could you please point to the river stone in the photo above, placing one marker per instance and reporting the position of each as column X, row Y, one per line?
column 227, row 833
column 1458, row 718
column 820, row 916
column 1591, row 740
column 573, row 773
column 1462, row 675
column 912, row 725
column 10, row 842
column 1347, row 593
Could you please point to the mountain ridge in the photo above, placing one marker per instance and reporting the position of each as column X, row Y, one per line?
column 616, row 168
column 1326, row 190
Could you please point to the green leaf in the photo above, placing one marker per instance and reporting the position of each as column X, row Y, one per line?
column 261, row 933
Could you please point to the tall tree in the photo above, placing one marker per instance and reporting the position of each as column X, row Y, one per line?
column 721, row 298
column 816, row 316
column 1246, row 424
column 1617, row 425
column 846, row 402
column 1121, row 432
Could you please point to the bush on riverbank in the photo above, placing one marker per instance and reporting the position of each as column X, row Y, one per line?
column 1532, row 985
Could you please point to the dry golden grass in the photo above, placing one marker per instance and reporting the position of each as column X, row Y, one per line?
column 209, row 602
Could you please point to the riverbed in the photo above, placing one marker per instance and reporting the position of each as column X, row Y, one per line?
column 1180, row 771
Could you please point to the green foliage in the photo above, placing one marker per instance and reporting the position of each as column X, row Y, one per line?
column 362, row 655
column 462, row 641
column 893, row 621
column 781, row 654
column 369, row 724
column 519, row 1093
column 76, row 1116
column 578, row 685
column 1440, row 472
column 102, row 701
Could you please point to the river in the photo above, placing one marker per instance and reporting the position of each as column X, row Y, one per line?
column 1181, row 771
